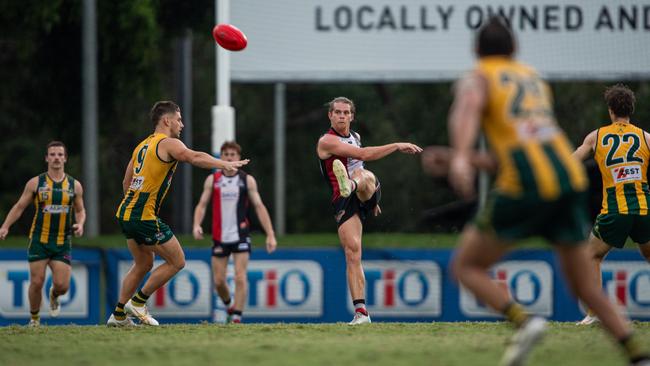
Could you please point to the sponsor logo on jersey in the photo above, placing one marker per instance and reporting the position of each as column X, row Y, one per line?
column 626, row 173
column 56, row 209
column 137, row 183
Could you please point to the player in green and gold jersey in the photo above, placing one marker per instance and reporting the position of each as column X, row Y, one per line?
column 622, row 154
column 57, row 197
column 146, row 182
column 539, row 189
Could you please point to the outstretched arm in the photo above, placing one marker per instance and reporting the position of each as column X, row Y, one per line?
column 199, row 210
column 329, row 145
column 175, row 149
column 588, row 146
column 18, row 208
column 262, row 214
column 464, row 125
column 79, row 210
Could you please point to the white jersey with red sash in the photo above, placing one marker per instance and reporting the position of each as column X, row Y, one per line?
column 230, row 204
column 351, row 164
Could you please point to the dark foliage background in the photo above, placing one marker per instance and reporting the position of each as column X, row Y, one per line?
column 40, row 100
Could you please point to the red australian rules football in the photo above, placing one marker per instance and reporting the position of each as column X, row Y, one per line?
column 229, row 37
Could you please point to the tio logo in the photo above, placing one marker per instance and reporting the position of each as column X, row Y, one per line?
column 402, row 288
column 14, row 287
column 293, row 287
column 529, row 283
column 524, row 286
column 287, row 288
column 412, row 287
column 187, row 295
column 19, row 280
column 628, row 284
column 182, row 290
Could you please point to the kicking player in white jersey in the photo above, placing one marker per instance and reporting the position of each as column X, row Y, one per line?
column 231, row 195
column 355, row 190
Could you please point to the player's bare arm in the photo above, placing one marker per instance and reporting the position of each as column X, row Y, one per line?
column 464, row 125
column 262, row 213
column 329, row 145
column 19, row 207
column 128, row 176
column 174, row 149
column 79, row 210
column 199, row 210
column 588, row 146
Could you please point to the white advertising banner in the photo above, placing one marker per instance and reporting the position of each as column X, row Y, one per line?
column 628, row 285
column 14, row 286
column 425, row 40
column 188, row 294
column 284, row 288
column 402, row 288
column 530, row 283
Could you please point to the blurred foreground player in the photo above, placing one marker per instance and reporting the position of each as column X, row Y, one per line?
column 146, row 182
column 55, row 196
column 539, row 189
column 232, row 193
column 355, row 190
column 622, row 154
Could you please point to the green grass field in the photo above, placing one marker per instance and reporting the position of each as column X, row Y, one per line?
column 370, row 240
column 377, row 344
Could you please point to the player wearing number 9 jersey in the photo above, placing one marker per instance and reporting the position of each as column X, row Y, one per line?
column 146, row 182
column 622, row 154
column 540, row 189
column 151, row 179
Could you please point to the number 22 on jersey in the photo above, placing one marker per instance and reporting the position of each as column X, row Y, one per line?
column 632, row 169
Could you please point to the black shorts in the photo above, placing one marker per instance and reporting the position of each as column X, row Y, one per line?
column 346, row 207
column 222, row 250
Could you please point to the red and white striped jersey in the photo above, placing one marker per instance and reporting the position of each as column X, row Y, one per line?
column 351, row 164
column 230, row 204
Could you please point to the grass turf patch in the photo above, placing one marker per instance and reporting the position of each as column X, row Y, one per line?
column 301, row 344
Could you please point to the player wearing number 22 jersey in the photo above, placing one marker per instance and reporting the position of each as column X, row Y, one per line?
column 540, row 189
column 621, row 152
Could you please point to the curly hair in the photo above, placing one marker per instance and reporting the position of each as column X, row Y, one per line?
column 620, row 100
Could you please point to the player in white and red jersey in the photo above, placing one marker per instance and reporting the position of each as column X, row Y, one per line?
column 232, row 195
column 355, row 190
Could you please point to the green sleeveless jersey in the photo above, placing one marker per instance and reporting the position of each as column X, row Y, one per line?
column 53, row 201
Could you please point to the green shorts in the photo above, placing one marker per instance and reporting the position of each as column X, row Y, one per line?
column 614, row 229
column 38, row 251
column 149, row 232
column 562, row 221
